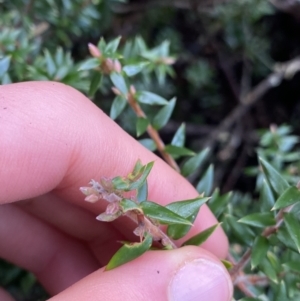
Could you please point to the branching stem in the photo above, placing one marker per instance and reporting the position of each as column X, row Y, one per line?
column 153, row 133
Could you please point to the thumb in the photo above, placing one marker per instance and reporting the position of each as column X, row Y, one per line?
column 185, row 274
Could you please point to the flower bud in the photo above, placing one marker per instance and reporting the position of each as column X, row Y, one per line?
column 117, row 66
column 94, row 51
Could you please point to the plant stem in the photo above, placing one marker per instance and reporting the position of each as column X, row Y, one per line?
column 153, row 133
column 266, row 233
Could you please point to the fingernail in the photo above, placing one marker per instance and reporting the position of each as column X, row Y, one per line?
column 200, row 279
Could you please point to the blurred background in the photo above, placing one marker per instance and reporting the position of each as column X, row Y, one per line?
column 235, row 73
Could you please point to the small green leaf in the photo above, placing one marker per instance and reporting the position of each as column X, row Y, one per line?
column 138, row 182
column 129, row 205
column 119, row 82
column 89, row 64
column 281, row 294
column 293, row 265
column 200, row 238
column 51, row 67
column 4, row 65
column 134, row 69
column 149, row 144
column 260, row 220
column 179, row 151
column 137, row 168
column 243, row 233
column 164, row 114
column 289, row 197
column 95, row 83
column 141, row 126
column 117, row 106
column 206, row 183
column 278, row 183
column 142, row 192
column 162, row 214
column 179, row 137
column 266, row 197
column 188, row 209
column 129, row 252
column 218, row 203
column 150, row 98
column 268, row 269
column 293, row 228
column 259, row 250
column 228, row 265
column 113, row 45
column 120, row 183
column 192, row 164
column 102, row 45
column 284, row 237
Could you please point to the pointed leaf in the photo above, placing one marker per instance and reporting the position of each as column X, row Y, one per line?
column 228, row 265
column 218, row 203
column 113, row 45
column 95, row 83
column 142, row 178
column 142, row 192
column 141, row 126
column 150, row 98
column 259, row 250
column 289, row 197
column 102, row 45
column 51, row 67
column 188, row 209
column 200, row 238
column 119, row 82
column 281, row 294
column 117, row 106
column 179, row 137
column 129, row 205
column 192, row 164
column 177, row 150
column 269, row 270
column 260, row 220
column 206, row 183
column 266, row 197
column 164, row 114
column 4, row 65
column 89, row 64
column 129, row 252
column 284, row 237
column 162, row 214
column 293, row 228
column 134, row 69
column 293, row 265
column 120, row 183
column 278, row 183
column 240, row 231
column 149, row 144
column 137, row 169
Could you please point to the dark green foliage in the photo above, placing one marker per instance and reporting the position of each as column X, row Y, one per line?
column 209, row 60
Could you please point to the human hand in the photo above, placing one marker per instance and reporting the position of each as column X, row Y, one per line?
column 54, row 140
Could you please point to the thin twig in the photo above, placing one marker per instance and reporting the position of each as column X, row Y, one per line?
column 266, row 233
column 153, row 133
column 98, row 192
column 282, row 71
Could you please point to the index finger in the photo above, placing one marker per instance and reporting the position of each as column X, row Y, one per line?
column 53, row 138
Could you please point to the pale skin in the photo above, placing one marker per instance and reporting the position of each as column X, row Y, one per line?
column 52, row 141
